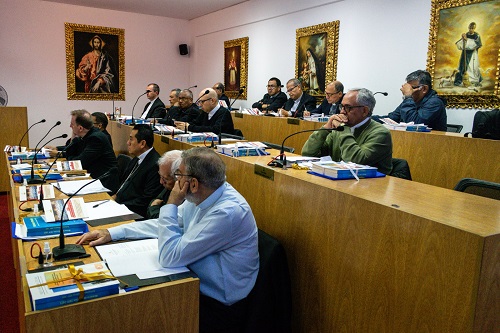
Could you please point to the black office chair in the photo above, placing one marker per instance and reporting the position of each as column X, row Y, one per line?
column 454, row 128
column 122, row 162
column 479, row 187
column 270, row 301
column 278, row 147
column 400, row 169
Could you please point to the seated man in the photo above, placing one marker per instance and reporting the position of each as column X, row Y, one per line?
column 274, row 99
column 361, row 140
column 155, row 107
column 101, row 122
column 300, row 103
column 219, row 89
column 142, row 182
column 92, row 148
column 334, row 92
column 173, row 98
column 209, row 227
column 421, row 104
column 213, row 118
column 167, row 164
column 187, row 111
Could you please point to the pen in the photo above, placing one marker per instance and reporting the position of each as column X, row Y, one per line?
column 100, row 203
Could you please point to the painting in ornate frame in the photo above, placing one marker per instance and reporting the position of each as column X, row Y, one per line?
column 95, row 62
column 470, row 81
column 236, row 67
column 316, row 55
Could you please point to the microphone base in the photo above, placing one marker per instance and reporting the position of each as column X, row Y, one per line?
column 70, row 251
column 35, row 181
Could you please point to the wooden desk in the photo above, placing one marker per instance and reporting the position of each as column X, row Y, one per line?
column 166, row 307
column 385, row 254
column 435, row 158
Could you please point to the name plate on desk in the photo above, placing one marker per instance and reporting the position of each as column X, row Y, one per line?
column 264, row 171
column 293, row 121
column 165, row 139
column 238, row 115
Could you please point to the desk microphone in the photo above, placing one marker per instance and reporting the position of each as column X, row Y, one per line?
column 41, row 121
column 282, row 161
column 36, row 147
column 236, row 98
column 381, row 92
column 32, row 180
column 133, row 120
column 195, row 86
column 72, row 251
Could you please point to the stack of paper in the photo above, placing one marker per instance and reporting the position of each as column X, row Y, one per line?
column 165, row 129
column 70, row 187
column 343, row 170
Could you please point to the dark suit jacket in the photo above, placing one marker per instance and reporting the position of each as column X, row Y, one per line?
column 176, row 112
column 157, row 110
column 226, row 99
column 97, row 157
column 306, row 102
column 275, row 102
column 105, row 132
column 142, row 186
column 324, row 108
column 153, row 212
column 221, row 119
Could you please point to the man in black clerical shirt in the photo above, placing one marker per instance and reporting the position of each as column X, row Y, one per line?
column 187, row 111
column 274, row 99
column 219, row 89
column 334, row 92
column 300, row 104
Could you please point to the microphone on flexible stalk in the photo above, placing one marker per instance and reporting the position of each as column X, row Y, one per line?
column 236, row 98
column 381, row 92
column 133, row 120
column 32, row 179
column 36, row 147
column 195, row 86
column 72, row 251
column 41, row 121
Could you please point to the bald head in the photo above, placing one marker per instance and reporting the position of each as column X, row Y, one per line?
column 207, row 102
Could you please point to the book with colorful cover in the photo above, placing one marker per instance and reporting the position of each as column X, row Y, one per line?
column 32, row 192
column 75, row 209
column 343, row 170
column 37, row 226
column 63, row 166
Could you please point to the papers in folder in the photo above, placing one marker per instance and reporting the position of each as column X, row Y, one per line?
column 70, row 187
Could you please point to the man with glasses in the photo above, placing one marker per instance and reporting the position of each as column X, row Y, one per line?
column 355, row 137
column 334, row 92
column 274, row 99
column 300, row 104
column 186, row 111
column 421, row 104
column 209, row 227
column 213, row 118
column 219, row 89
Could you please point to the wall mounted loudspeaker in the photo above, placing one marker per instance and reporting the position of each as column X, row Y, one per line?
column 183, row 49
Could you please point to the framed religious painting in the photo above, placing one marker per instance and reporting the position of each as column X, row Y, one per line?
column 316, row 54
column 235, row 67
column 464, row 52
column 95, row 62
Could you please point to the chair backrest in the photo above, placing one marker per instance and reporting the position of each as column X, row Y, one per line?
column 278, row 147
column 486, row 125
column 400, row 168
column 479, row 187
column 454, row 128
column 270, row 301
column 122, row 162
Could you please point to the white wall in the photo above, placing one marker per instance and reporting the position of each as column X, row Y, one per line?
column 33, row 58
column 380, row 42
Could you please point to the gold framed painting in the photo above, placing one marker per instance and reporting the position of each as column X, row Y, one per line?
column 95, row 62
column 316, row 53
column 235, row 67
column 464, row 52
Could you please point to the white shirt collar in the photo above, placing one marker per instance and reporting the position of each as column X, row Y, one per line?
column 359, row 124
column 214, row 110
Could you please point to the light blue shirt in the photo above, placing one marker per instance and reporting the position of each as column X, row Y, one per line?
column 216, row 239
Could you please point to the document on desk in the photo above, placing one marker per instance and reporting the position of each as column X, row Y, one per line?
column 70, row 187
column 108, row 211
column 136, row 257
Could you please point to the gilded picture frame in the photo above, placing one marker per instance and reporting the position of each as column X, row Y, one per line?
column 316, row 53
column 95, row 62
column 236, row 67
column 469, row 81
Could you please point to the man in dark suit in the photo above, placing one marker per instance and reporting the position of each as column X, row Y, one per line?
column 213, row 118
column 299, row 104
column 334, row 92
column 155, row 108
column 142, row 182
column 274, row 99
column 187, row 111
column 101, row 122
column 92, row 148
column 219, row 89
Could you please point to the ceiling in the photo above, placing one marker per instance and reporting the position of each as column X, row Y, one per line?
column 185, row 9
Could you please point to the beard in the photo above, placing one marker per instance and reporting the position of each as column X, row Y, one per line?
column 189, row 196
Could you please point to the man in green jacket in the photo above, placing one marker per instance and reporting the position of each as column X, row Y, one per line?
column 357, row 138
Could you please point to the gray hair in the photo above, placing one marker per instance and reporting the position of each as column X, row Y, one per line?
column 365, row 97
column 189, row 92
column 173, row 157
column 83, row 118
column 206, row 166
column 423, row 78
column 177, row 91
column 296, row 82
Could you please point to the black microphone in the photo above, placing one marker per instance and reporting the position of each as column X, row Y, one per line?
column 239, row 94
column 36, row 147
column 195, row 86
column 113, row 113
column 72, row 251
column 381, row 92
column 41, row 121
column 32, row 180
column 282, row 161
column 133, row 121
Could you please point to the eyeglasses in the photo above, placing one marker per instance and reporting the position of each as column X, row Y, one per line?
column 183, row 98
column 271, row 86
column 348, row 108
column 200, row 102
column 179, row 175
column 289, row 90
column 164, row 179
column 330, row 95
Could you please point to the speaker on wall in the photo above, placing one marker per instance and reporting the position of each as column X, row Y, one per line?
column 183, row 49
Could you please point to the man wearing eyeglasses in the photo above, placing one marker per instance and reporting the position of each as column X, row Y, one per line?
column 274, row 99
column 421, row 104
column 356, row 137
column 334, row 92
column 219, row 89
column 209, row 227
column 186, row 111
column 300, row 104
column 213, row 118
